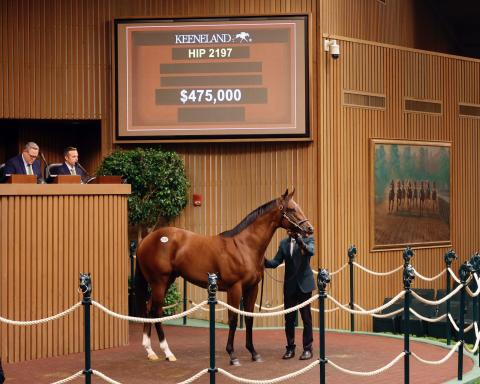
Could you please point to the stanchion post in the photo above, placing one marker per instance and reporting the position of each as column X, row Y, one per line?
column 212, row 301
column 464, row 272
column 86, row 288
column 184, row 300
column 352, row 251
column 323, row 279
column 408, row 276
column 449, row 257
column 131, row 292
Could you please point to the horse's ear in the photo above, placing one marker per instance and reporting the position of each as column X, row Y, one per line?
column 291, row 194
column 284, row 196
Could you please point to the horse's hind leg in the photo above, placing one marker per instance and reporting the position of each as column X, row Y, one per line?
column 147, row 341
column 158, row 295
column 249, row 298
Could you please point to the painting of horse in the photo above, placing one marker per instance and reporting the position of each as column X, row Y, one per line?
column 420, row 218
column 236, row 256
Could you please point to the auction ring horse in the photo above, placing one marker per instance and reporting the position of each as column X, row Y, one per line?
column 236, row 256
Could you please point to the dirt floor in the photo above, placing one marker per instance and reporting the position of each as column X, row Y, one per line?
column 407, row 227
column 191, row 346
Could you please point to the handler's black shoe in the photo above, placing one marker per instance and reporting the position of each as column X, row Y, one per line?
column 306, row 355
column 289, row 353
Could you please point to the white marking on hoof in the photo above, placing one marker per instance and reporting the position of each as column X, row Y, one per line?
column 146, row 342
column 164, row 239
column 168, row 353
column 152, row 357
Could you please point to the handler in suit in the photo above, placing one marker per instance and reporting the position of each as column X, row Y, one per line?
column 26, row 163
column 297, row 288
column 70, row 166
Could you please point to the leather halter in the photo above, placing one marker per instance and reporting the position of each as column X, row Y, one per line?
column 291, row 220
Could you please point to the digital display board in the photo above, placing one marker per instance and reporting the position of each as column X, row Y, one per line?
column 200, row 79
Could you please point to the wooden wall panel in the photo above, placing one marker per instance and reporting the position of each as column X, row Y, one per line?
column 46, row 241
column 408, row 23
column 344, row 189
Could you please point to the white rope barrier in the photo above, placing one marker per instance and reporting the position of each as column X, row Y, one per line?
column 456, row 327
column 381, row 316
column 371, row 373
column 377, row 273
column 41, row 321
column 330, row 310
column 421, row 277
column 284, row 312
column 436, row 302
column 69, row 378
column 369, row 312
column 477, row 340
column 207, row 309
column 441, row 361
column 147, row 319
column 270, row 381
column 339, row 270
column 452, row 321
column 105, row 377
column 111, row 381
column 171, row 305
column 428, row 319
column 454, row 276
column 269, row 308
column 477, row 292
column 195, row 377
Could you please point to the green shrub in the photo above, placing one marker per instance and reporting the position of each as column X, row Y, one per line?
column 158, row 179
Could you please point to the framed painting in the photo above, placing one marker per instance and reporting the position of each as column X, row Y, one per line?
column 410, row 194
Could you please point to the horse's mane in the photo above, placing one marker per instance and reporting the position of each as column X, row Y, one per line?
column 249, row 219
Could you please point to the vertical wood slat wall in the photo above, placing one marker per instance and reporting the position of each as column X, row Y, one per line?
column 345, row 162
column 56, row 63
column 46, row 241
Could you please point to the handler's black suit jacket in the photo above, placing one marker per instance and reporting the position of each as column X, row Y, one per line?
column 297, row 266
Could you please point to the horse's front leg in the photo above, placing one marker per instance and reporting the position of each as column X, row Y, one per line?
column 249, row 298
column 233, row 299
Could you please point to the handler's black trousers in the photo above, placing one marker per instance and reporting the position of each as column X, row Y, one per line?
column 291, row 299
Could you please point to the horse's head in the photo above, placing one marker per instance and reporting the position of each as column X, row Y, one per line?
column 293, row 218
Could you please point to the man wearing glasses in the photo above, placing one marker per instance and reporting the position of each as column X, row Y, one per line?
column 26, row 163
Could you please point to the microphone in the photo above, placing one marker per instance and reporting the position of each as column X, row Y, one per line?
column 43, row 158
column 83, row 169
column 87, row 178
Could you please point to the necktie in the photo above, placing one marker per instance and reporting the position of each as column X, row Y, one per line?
column 29, row 169
column 72, row 171
column 292, row 245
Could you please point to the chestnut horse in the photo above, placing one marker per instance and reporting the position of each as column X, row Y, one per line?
column 236, row 256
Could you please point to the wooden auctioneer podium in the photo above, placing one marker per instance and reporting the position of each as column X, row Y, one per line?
column 49, row 233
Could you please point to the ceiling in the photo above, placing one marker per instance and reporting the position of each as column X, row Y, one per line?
column 460, row 20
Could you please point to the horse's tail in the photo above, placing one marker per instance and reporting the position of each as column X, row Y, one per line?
column 141, row 292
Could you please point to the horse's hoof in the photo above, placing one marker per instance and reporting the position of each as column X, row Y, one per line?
column 152, row 357
column 171, row 358
column 257, row 358
column 235, row 362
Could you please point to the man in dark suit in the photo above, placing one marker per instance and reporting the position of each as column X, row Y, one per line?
column 70, row 166
column 297, row 288
column 26, row 163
